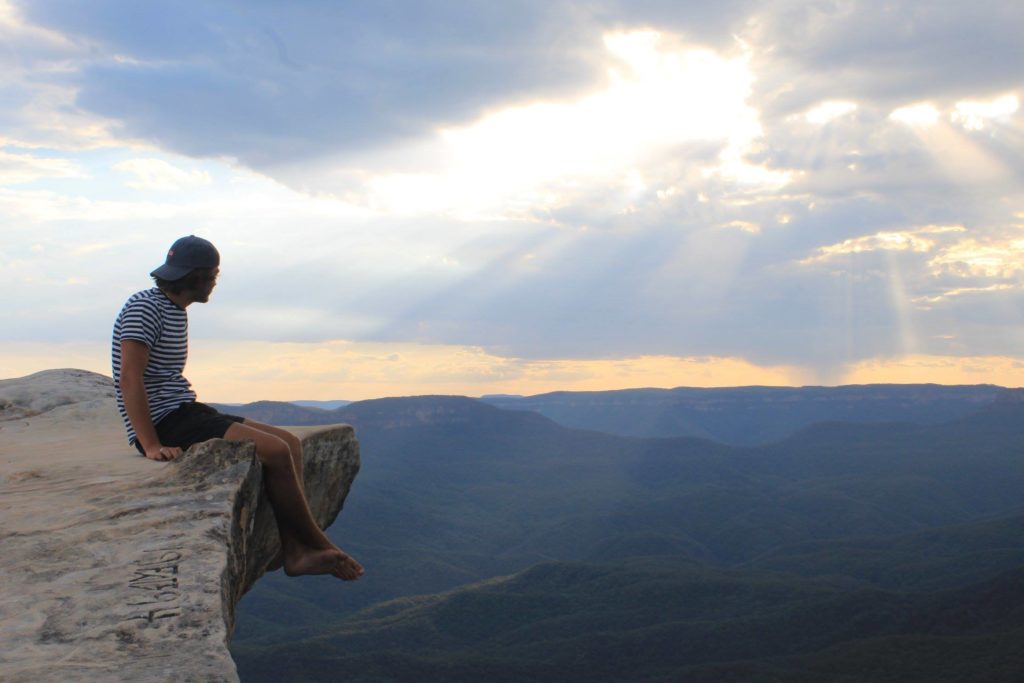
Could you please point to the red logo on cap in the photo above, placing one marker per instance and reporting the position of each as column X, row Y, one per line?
column 170, row 252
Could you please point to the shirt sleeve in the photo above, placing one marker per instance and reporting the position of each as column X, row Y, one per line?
column 141, row 322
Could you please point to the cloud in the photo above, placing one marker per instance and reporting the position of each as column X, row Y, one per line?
column 663, row 99
column 827, row 111
column 36, row 104
column 587, row 181
column 270, row 84
column 891, row 53
column 969, row 258
column 157, row 174
column 274, row 86
column 920, row 114
column 974, row 115
column 916, row 240
column 17, row 169
column 25, row 210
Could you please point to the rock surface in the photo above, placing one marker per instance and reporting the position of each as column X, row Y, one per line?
column 114, row 567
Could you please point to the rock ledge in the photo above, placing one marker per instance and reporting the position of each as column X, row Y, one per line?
column 135, row 577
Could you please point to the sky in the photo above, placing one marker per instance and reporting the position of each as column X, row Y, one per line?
column 456, row 197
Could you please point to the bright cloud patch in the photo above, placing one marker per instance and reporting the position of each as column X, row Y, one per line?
column 979, row 115
column 916, row 115
column 919, row 240
column 157, row 174
column 827, row 111
column 971, row 115
column 971, row 258
column 659, row 94
column 24, row 168
column 956, row 292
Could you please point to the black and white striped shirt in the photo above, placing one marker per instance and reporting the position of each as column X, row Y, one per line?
column 156, row 321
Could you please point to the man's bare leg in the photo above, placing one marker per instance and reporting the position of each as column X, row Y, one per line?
column 295, row 448
column 293, row 442
column 306, row 549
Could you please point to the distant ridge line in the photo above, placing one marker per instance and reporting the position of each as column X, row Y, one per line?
column 738, row 416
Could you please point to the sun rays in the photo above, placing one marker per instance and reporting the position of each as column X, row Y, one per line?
column 526, row 159
column 636, row 202
column 927, row 267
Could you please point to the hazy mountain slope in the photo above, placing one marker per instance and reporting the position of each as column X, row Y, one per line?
column 453, row 491
column 749, row 415
column 744, row 416
column 325, row 405
column 280, row 413
column 645, row 622
column 928, row 560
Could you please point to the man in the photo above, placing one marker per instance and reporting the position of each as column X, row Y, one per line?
column 163, row 418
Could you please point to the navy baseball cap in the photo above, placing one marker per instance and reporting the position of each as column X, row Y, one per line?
column 185, row 255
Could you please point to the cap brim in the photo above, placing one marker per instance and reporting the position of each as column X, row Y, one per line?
column 171, row 273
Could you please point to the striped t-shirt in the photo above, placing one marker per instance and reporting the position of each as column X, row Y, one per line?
column 156, row 321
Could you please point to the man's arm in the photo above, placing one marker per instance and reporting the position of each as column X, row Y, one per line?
column 134, row 359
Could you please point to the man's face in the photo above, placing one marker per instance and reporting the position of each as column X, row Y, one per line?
column 205, row 287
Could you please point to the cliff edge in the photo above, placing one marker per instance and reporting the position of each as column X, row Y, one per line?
column 114, row 567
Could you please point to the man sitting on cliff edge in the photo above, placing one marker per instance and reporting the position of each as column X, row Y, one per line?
column 163, row 418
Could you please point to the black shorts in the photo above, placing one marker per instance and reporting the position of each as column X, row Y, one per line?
column 191, row 423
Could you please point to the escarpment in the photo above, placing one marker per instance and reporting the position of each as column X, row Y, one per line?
column 117, row 568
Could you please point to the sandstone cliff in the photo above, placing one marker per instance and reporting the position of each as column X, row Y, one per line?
column 114, row 567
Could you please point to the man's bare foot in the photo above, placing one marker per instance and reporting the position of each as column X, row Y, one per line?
column 302, row 561
column 349, row 569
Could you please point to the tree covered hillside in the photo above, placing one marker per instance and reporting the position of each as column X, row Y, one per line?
column 644, row 621
column 700, row 559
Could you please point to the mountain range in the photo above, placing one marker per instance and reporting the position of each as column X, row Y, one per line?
column 499, row 540
column 740, row 416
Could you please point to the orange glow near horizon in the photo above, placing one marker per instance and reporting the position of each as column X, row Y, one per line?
column 921, row 369
column 356, row 371
column 233, row 372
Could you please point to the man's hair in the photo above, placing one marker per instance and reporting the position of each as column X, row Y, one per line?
column 193, row 281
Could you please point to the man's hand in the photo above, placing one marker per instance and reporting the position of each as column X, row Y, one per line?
column 159, row 452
